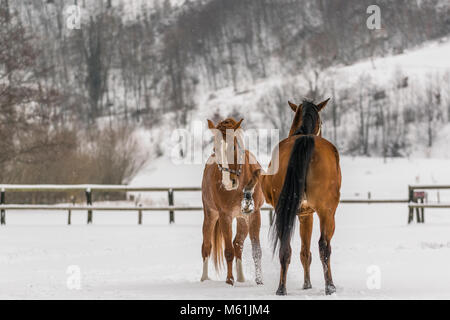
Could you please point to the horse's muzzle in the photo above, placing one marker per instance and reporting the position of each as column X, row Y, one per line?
column 247, row 204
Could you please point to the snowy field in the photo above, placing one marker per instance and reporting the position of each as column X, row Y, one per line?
column 120, row 260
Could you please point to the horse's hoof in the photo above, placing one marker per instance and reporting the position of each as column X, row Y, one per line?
column 281, row 291
column 204, row 278
column 259, row 282
column 307, row 285
column 330, row 289
column 230, row 281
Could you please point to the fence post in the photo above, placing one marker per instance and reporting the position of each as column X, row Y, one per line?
column 270, row 216
column 2, row 201
column 140, row 215
column 410, row 199
column 423, row 213
column 89, row 203
column 69, row 215
column 419, row 220
column 420, row 213
column 171, row 213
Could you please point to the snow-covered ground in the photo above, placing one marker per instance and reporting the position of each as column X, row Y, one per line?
column 119, row 259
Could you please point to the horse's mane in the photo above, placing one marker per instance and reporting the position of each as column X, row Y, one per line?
column 310, row 116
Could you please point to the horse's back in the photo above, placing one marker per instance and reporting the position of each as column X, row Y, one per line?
column 324, row 175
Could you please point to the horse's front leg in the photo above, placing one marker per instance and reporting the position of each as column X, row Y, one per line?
column 238, row 243
column 225, row 222
column 209, row 223
column 255, row 226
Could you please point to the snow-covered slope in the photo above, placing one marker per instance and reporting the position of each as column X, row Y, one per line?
column 426, row 68
column 418, row 64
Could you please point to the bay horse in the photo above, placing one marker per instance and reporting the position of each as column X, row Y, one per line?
column 308, row 180
column 230, row 190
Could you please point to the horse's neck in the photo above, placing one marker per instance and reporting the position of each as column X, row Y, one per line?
column 296, row 123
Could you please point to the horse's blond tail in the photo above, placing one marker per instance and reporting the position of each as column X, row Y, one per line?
column 217, row 247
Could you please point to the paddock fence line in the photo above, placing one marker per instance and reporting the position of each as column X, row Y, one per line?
column 88, row 189
column 418, row 200
column 412, row 200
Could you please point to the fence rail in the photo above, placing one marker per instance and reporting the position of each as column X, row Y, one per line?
column 429, row 186
column 171, row 207
column 369, row 201
column 92, row 187
column 430, row 205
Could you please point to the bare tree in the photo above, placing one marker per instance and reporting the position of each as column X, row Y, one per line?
column 274, row 105
column 96, row 45
column 28, row 123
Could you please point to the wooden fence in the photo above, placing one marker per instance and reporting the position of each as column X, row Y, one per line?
column 171, row 208
column 88, row 190
column 419, row 204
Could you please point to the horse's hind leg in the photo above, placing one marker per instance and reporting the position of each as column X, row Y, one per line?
column 255, row 226
column 285, row 260
column 225, row 225
column 208, row 228
column 238, row 244
column 326, row 233
column 306, row 226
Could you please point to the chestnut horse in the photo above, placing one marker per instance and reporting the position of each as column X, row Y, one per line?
column 227, row 194
column 308, row 180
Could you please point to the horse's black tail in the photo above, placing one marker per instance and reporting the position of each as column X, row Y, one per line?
column 292, row 193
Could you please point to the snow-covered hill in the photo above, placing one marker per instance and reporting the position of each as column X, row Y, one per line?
column 167, row 63
column 426, row 70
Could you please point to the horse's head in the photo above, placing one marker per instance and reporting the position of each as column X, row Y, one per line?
column 307, row 118
column 226, row 146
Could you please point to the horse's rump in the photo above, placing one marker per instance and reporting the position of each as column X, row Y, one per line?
column 293, row 190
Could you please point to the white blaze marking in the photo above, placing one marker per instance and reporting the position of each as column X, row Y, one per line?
column 226, row 181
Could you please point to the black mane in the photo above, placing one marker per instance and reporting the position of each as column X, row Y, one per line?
column 310, row 116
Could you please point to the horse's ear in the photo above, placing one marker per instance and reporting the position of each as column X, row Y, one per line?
column 322, row 105
column 237, row 125
column 293, row 106
column 211, row 124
